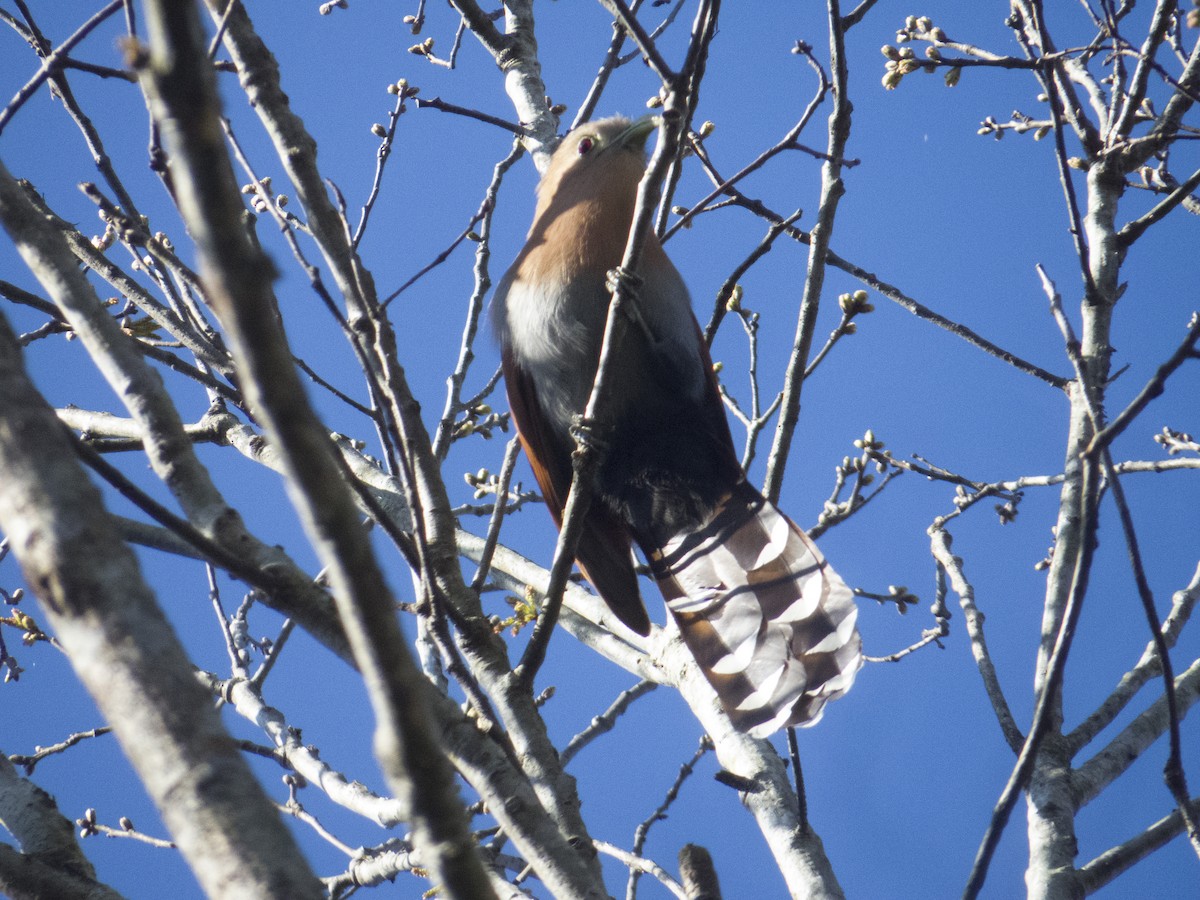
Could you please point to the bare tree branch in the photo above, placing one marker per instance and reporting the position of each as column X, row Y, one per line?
column 124, row 650
column 234, row 270
column 832, row 189
column 1108, row 865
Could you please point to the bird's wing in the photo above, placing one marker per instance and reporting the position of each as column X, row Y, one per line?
column 770, row 623
column 715, row 408
column 603, row 552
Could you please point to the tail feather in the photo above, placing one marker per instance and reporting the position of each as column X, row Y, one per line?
column 770, row 623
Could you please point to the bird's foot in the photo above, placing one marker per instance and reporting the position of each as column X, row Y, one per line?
column 621, row 279
column 590, row 434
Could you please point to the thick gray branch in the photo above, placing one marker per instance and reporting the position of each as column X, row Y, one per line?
column 1134, row 739
column 183, row 101
column 126, row 654
column 46, row 836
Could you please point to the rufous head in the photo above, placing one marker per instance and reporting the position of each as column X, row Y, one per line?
column 597, row 159
column 585, row 203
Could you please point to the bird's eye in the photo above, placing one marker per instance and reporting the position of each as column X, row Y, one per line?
column 585, row 146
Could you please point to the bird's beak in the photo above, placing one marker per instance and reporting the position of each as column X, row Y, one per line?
column 635, row 135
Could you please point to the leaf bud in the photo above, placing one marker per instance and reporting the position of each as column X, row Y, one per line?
column 734, row 303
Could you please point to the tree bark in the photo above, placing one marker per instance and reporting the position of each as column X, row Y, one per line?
column 125, row 652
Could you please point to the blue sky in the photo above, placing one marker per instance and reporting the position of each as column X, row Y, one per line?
column 902, row 773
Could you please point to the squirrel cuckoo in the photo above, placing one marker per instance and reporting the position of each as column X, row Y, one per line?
column 769, row 622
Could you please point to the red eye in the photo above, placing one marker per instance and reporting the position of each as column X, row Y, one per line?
column 585, row 146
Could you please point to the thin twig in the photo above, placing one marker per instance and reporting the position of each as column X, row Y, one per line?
column 605, row 722
column 1108, row 865
column 1182, row 604
column 442, row 106
column 611, row 63
column 832, row 189
column 483, row 281
column 29, row 762
column 721, row 304
column 493, row 532
column 1154, row 388
column 437, row 260
column 628, row 21
column 53, row 61
column 643, row 829
column 952, row 566
column 381, row 157
column 854, row 17
column 1182, row 193
column 798, row 774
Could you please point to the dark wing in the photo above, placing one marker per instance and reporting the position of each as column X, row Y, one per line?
column 604, row 545
column 714, row 410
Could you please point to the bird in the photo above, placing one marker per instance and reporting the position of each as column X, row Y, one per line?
column 770, row 624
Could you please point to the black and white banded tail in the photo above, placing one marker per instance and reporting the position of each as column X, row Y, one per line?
column 770, row 623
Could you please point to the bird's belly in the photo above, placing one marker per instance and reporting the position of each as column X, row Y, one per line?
column 557, row 335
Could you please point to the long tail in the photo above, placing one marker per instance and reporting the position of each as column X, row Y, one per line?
column 768, row 620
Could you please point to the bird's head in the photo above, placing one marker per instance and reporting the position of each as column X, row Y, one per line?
column 605, row 158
